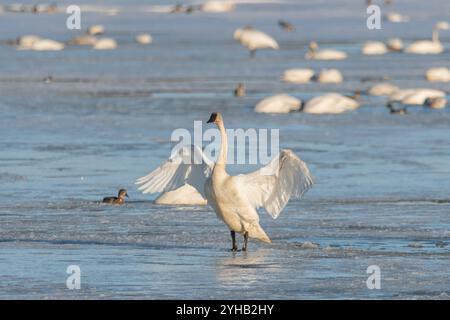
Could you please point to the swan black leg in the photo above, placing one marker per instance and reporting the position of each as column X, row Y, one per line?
column 252, row 53
column 233, row 239
column 244, row 248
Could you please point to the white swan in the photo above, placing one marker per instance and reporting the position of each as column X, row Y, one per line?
column 185, row 195
column 383, row 89
column 47, row 45
column 396, row 17
column 433, row 46
column 254, row 39
column 438, row 74
column 215, row 6
column 331, row 103
column 235, row 199
column 415, row 96
column 374, row 48
column 329, row 76
column 31, row 42
column 26, row 42
column 280, row 103
column 144, row 38
column 105, row 44
column 298, row 75
column 328, row 54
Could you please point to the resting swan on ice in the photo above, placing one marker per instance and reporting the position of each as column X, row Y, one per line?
column 433, row 46
column 327, row 54
column 235, row 199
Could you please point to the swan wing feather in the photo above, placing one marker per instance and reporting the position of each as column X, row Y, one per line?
column 272, row 186
column 186, row 165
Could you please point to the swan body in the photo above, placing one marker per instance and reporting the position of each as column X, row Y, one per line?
column 105, row 44
column 27, row 41
column 298, row 75
column 254, row 39
column 280, row 103
column 415, row 96
column 235, row 199
column 47, row 45
column 374, row 48
column 144, row 38
column 396, row 17
column 383, row 89
column 331, row 103
column 315, row 54
column 433, row 46
column 185, row 195
column 425, row 47
column 330, row 76
column 395, row 44
column 438, row 74
column 216, row 6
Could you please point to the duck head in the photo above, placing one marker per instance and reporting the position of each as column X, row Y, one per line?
column 123, row 193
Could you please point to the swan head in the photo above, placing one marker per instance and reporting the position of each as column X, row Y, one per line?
column 215, row 117
column 122, row 194
column 237, row 34
column 313, row 46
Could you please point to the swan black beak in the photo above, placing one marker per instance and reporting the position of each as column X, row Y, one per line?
column 127, row 195
column 212, row 118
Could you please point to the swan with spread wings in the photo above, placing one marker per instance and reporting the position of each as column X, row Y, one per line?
column 235, row 199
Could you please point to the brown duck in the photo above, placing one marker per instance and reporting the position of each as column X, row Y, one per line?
column 120, row 199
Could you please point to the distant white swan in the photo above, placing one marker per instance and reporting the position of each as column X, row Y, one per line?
column 329, row 76
column 415, row 96
column 144, row 38
column 254, row 39
column 433, row 46
column 331, row 103
column 31, row 42
column 383, row 89
column 374, row 48
column 105, row 44
column 280, row 103
column 327, row 54
column 47, row 45
column 298, row 75
column 216, row 6
column 438, row 74
column 396, row 17
column 185, row 195
column 235, row 199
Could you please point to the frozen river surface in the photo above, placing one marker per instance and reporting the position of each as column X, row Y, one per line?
column 382, row 192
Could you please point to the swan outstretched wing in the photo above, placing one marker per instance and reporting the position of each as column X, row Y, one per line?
column 187, row 165
column 272, row 186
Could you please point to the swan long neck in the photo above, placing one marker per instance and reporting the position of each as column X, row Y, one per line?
column 435, row 35
column 222, row 159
